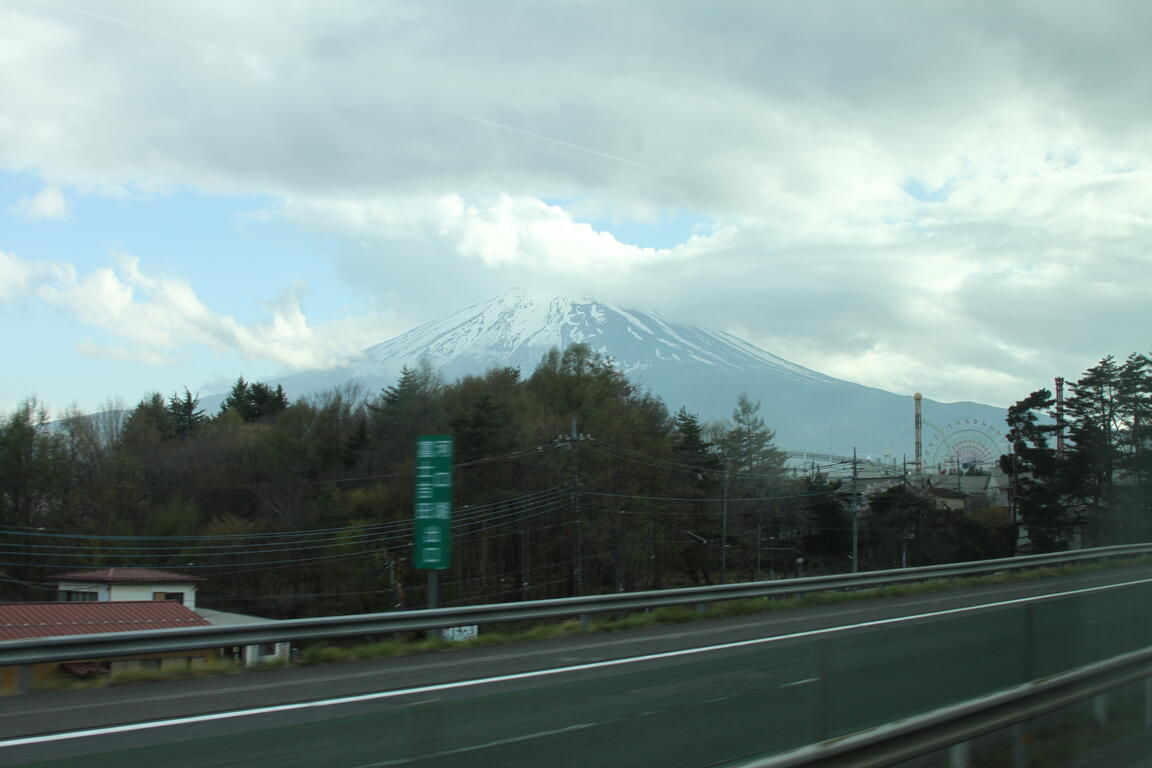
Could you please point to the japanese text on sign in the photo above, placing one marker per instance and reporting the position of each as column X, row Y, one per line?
column 433, row 501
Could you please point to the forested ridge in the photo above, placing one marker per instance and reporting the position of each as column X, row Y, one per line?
column 570, row 480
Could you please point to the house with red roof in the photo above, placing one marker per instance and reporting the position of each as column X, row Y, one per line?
column 121, row 600
column 22, row 621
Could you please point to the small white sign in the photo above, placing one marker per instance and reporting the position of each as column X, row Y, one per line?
column 456, row 634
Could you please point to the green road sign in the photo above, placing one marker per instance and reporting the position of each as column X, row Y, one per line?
column 433, row 544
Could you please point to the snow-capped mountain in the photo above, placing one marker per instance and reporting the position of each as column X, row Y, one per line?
column 517, row 330
column 702, row 369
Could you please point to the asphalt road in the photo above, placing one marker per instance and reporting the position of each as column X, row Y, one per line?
column 700, row 694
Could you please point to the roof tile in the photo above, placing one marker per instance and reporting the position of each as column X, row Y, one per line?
column 19, row 621
column 117, row 575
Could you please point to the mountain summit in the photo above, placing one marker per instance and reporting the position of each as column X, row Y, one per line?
column 701, row 369
column 516, row 330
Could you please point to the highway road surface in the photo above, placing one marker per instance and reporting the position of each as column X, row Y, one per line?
column 701, row 694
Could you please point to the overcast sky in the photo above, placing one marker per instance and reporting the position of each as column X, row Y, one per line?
column 946, row 197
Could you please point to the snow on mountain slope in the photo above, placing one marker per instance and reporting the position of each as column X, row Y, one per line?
column 517, row 330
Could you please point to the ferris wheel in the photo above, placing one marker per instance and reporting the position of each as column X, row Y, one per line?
column 964, row 445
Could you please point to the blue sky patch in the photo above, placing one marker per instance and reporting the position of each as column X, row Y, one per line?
column 919, row 190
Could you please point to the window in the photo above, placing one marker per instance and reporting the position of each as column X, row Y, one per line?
column 77, row 596
column 176, row 596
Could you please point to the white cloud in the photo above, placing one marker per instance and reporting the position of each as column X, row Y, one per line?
column 500, row 232
column 19, row 277
column 46, row 205
column 158, row 316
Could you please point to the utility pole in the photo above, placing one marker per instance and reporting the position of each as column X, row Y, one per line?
column 524, row 558
column 759, row 546
column 574, row 502
column 855, row 518
column 724, row 530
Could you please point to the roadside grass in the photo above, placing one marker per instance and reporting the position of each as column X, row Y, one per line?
column 330, row 653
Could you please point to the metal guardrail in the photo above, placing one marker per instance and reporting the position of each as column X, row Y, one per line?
column 111, row 644
column 954, row 726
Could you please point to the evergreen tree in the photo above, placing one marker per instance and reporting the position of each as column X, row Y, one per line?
column 1094, row 425
column 407, row 410
column 255, row 401
column 357, row 445
column 185, row 415
column 1035, row 472
column 1135, row 397
column 748, row 445
column 830, row 531
column 150, row 421
column 237, row 400
column 31, row 467
column 689, row 447
column 483, row 431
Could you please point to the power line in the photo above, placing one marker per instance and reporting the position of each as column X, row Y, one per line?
column 464, row 514
column 326, row 481
column 718, row 500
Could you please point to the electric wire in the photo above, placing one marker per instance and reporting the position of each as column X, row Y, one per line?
column 464, row 513
column 721, row 499
column 638, row 457
column 478, row 525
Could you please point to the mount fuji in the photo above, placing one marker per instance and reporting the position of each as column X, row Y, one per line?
column 701, row 369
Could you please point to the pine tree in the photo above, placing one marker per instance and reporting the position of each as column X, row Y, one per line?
column 265, row 402
column 689, row 447
column 237, row 400
column 407, row 410
column 1035, row 473
column 255, row 401
column 748, row 445
column 1093, row 416
column 483, row 430
column 185, row 414
column 1134, row 384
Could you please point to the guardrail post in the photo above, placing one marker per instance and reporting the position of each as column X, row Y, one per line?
column 1100, row 709
column 1019, row 746
column 1148, row 702
column 24, row 678
column 959, row 755
column 585, row 622
column 701, row 607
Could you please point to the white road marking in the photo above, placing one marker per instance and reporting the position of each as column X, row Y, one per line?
column 475, row 747
column 434, row 688
column 795, row 683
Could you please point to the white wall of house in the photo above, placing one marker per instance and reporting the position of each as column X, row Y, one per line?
column 100, row 590
column 133, row 591
column 145, row 591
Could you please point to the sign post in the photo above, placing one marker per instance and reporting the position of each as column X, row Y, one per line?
column 432, row 548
